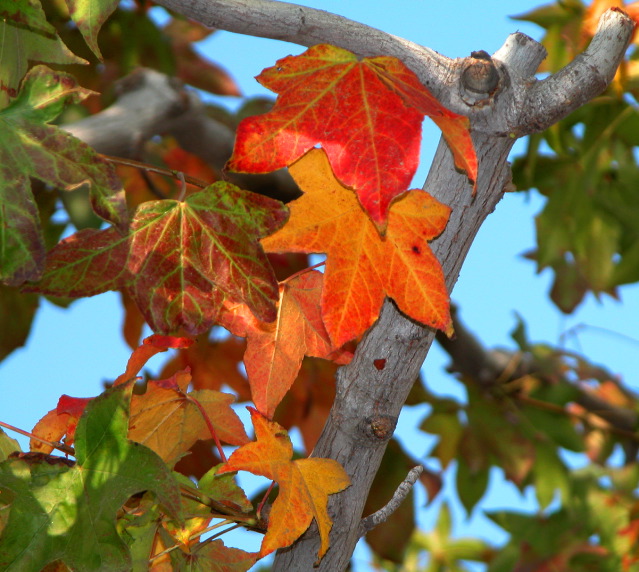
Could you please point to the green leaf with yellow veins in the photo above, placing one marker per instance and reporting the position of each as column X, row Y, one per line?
column 25, row 35
column 30, row 148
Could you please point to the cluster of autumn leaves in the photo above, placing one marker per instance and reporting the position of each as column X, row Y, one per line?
column 195, row 262
column 200, row 260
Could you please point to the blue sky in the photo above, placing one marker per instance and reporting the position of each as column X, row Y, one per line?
column 73, row 351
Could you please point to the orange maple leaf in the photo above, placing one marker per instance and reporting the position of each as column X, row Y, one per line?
column 275, row 350
column 362, row 267
column 304, row 484
column 62, row 421
column 169, row 421
column 309, row 401
column 59, row 423
column 365, row 113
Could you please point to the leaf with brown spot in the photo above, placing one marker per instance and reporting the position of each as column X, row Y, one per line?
column 362, row 267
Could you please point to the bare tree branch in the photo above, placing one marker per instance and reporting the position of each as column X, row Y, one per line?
column 378, row 517
column 584, row 78
column 308, row 27
column 150, row 103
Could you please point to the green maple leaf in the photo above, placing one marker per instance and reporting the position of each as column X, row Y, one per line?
column 29, row 147
column 180, row 261
column 25, row 35
column 68, row 513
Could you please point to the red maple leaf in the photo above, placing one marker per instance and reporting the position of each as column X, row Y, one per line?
column 365, row 113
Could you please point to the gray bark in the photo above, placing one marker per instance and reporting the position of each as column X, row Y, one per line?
column 368, row 400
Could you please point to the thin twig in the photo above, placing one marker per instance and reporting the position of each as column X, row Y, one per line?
column 303, row 271
column 372, row 520
column 160, row 170
column 56, row 445
column 260, row 506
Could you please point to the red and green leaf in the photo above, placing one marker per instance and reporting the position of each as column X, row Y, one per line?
column 31, row 148
column 180, row 261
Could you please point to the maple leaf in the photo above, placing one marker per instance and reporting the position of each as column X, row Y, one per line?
column 169, row 420
column 213, row 363
column 61, row 422
column 180, row 261
column 69, row 513
column 365, row 113
column 304, row 484
column 362, row 267
column 58, row 423
column 31, row 148
column 89, row 15
column 275, row 350
column 150, row 346
column 309, row 401
column 25, row 35
column 7, row 445
column 213, row 557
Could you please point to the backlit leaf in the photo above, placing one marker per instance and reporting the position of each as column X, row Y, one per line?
column 275, row 350
column 68, row 513
column 31, row 148
column 25, row 35
column 304, row 484
column 169, row 420
column 365, row 113
column 7, row 445
column 89, row 15
column 213, row 363
column 180, row 261
column 363, row 268
column 213, row 557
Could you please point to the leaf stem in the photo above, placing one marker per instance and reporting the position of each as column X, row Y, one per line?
column 304, row 271
column 210, row 426
column 258, row 512
column 160, row 170
column 180, row 176
column 215, row 536
column 56, row 445
column 220, row 510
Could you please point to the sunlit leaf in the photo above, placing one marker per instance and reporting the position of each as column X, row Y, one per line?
column 68, row 513
column 363, row 268
column 366, row 114
column 180, row 261
column 275, row 350
column 31, row 148
column 304, row 484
